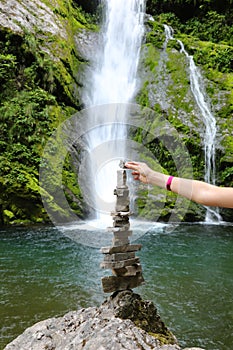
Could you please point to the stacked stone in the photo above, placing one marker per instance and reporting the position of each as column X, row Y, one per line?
column 120, row 257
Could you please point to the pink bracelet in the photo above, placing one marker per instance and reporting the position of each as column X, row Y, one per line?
column 169, row 182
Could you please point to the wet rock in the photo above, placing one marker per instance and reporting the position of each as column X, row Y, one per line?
column 88, row 44
column 123, row 321
column 112, row 326
column 29, row 15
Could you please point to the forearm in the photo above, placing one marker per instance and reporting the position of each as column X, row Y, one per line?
column 157, row 179
column 197, row 191
column 194, row 190
column 183, row 187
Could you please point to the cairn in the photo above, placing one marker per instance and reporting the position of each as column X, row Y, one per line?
column 120, row 257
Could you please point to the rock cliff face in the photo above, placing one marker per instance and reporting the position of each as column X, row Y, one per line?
column 166, row 75
column 55, row 27
column 41, row 75
column 25, row 15
column 124, row 321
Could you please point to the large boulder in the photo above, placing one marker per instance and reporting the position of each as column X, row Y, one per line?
column 123, row 321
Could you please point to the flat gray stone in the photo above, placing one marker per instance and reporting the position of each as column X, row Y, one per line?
column 119, row 264
column 121, row 249
column 112, row 284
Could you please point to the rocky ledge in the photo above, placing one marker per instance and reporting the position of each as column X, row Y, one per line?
column 123, row 321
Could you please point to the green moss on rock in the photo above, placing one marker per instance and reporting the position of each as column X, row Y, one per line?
column 39, row 70
column 143, row 313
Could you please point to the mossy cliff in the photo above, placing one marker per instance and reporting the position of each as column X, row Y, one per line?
column 42, row 64
column 40, row 70
column 166, row 89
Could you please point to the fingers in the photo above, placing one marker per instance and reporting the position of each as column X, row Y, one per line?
column 137, row 170
column 132, row 165
column 128, row 164
column 132, row 162
column 135, row 167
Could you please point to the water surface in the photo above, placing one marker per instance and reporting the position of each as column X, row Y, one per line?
column 188, row 273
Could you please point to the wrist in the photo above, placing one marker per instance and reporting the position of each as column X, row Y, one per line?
column 157, row 179
column 169, row 183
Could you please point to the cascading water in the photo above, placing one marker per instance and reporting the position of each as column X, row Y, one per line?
column 114, row 77
column 196, row 82
column 113, row 81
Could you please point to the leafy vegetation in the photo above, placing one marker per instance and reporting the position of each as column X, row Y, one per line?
column 40, row 87
column 37, row 93
column 206, row 33
column 187, row 9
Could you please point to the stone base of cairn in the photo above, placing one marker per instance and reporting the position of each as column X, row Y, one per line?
column 120, row 257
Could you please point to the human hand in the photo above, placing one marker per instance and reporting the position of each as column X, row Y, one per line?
column 141, row 171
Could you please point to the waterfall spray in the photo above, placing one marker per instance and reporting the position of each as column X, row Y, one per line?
column 113, row 80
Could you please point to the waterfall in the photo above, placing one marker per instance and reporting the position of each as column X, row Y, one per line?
column 113, row 82
column 197, row 88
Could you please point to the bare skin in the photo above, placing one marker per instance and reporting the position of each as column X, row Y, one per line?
column 197, row 191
